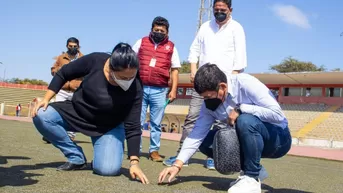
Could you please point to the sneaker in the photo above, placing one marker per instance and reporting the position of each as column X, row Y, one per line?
column 262, row 176
column 246, row 184
column 210, row 164
column 70, row 166
column 169, row 162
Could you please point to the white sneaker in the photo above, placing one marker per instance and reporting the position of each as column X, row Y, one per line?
column 262, row 176
column 246, row 184
column 240, row 175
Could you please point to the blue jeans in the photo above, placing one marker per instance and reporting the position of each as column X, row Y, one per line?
column 108, row 148
column 257, row 140
column 155, row 98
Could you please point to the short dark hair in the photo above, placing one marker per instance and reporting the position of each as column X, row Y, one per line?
column 227, row 2
column 123, row 57
column 160, row 21
column 208, row 77
column 73, row 40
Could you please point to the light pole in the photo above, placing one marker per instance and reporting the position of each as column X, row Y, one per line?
column 4, row 76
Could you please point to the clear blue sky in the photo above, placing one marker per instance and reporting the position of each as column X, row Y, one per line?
column 33, row 32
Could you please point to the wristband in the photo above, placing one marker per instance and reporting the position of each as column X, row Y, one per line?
column 134, row 163
column 134, row 160
column 238, row 109
column 177, row 166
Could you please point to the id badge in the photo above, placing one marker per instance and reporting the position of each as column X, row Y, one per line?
column 152, row 62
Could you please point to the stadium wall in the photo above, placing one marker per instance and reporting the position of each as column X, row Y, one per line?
column 321, row 97
column 324, row 96
column 23, row 86
column 320, row 94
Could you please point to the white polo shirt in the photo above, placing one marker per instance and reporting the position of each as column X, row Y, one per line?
column 175, row 60
column 225, row 47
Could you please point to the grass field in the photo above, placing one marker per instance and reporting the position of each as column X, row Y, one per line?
column 27, row 164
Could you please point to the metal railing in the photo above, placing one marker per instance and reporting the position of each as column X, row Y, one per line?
column 167, row 121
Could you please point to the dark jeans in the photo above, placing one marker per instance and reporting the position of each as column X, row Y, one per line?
column 257, row 140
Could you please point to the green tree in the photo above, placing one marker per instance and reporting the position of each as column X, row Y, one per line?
column 185, row 68
column 336, row 70
column 27, row 81
column 290, row 64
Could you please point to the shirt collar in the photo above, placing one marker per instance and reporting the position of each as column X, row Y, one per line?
column 215, row 24
column 78, row 55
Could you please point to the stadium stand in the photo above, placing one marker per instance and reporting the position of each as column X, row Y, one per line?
column 14, row 96
column 299, row 115
column 331, row 129
column 306, row 99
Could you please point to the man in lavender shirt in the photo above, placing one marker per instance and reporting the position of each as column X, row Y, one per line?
column 243, row 101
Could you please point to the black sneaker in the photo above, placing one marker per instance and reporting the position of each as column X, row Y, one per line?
column 70, row 167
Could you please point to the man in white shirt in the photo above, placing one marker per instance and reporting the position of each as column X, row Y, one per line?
column 159, row 60
column 245, row 102
column 222, row 42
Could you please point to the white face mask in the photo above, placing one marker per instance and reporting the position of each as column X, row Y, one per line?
column 124, row 84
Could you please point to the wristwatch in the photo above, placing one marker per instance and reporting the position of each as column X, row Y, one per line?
column 238, row 109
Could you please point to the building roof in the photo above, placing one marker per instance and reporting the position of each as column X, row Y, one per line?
column 290, row 78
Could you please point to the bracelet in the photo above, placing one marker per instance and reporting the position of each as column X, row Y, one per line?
column 177, row 166
column 134, row 160
column 137, row 160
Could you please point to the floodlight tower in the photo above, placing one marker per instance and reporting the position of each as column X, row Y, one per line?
column 205, row 11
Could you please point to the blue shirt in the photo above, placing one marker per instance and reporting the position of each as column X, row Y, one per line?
column 254, row 98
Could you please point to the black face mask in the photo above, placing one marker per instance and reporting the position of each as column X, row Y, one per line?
column 212, row 104
column 158, row 37
column 220, row 16
column 72, row 51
